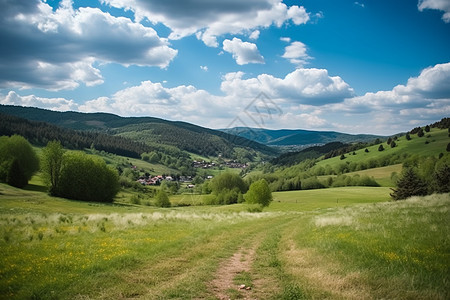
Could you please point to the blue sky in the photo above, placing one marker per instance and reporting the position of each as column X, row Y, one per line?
column 353, row 66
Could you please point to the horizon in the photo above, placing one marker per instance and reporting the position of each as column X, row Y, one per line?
column 228, row 128
column 355, row 67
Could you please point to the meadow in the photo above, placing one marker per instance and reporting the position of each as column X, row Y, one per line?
column 337, row 243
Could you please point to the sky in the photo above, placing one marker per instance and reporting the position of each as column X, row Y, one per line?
column 367, row 66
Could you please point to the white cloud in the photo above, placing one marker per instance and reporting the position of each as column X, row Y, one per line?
column 61, row 47
column 243, row 52
column 210, row 19
column 443, row 5
column 285, row 39
column 254, row 35
column 204, row 68
column 304, row 98
column 360, row 4
column 302, row 86
column 425, row 99
column 58, row 104
column 296, row 53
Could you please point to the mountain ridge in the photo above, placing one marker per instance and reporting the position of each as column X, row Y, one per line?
column 297, row 137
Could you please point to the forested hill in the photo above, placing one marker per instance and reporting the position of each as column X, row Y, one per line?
column 297, row 137
column 148, row 130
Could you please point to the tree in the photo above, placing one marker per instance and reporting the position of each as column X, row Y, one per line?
column 409, row 184
column 367, row 150
column 342, row 157
column 448, row 147
column 161, row 199
column 51, row 163
column 389, row 141
column 17, row 158
column 420, row 133
column 227, row 187
column 427, row 128
column 408, row 137
column 259, row 193
column 393, row 144
column 442, row 179
column 16, row 176
column 380, row 148
column 87, row 178
column 227, row 181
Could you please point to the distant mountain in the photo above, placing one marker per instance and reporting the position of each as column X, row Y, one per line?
column 148, row 130
column 297, row 137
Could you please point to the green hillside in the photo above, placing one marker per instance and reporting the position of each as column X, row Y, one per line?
column 432, row 144
column 152, row 131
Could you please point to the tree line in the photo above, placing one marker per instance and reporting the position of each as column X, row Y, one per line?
column 40, row 133
column 68, row 174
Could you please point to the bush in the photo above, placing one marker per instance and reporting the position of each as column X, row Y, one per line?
column 311, row 183
column 87, row 178
column 18, row 161
column 259, row 193
column 161, row 199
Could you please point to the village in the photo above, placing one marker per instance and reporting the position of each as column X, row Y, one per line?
column 147, row 179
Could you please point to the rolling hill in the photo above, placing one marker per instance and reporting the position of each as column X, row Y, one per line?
column 148, row 130
column 297, row 137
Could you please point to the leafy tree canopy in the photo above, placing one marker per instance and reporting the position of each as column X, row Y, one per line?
column 259, row 193
column 18, row 160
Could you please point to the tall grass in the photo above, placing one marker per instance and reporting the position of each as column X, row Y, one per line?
column 398, row 249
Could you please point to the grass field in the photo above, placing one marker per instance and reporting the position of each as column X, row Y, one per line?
column 437, row 142
column 337, row 243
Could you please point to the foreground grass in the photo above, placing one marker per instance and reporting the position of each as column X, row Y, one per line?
column 393, row 250
column 332, row 243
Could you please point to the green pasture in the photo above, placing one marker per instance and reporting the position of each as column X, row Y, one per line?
column 437, row 142
column 337, row 243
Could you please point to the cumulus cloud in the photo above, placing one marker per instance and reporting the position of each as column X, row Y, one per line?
column 304, row 98
column 58, row 104
column 296, row 53
column 204, row 68
column 243, row 52
column 422, row 100
column 58, row 49
column 210, row 19
column 302, row 86
column 443, row 5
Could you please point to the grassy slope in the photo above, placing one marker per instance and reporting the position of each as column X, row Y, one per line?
column 416, row 146
column 59, row 248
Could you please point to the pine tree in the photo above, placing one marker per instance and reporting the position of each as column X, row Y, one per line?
column 380, row 148
column 409, row 184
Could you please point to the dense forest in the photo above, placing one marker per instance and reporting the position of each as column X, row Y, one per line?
column 40, row 133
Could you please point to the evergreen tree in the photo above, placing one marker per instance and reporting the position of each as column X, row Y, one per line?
column 393, row 144
column 408, row 137
column 427, row 128
column 380, row 148
column 442, row 179
column 409, row 184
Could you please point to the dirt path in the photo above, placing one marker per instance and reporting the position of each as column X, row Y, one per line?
column 223, row 284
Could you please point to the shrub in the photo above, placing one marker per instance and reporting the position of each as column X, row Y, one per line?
column 312, row 183
column 161, row 199
column 18, row 161
column 259, row 193
column 87, row 178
